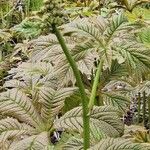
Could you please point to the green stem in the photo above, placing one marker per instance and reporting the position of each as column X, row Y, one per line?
column 95, row 85
column 28, row 7
column 1, row 55
column 86, row 117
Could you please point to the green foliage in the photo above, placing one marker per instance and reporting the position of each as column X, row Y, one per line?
column 138, row 15
column 33, row 5
column 28, row 29
column 117, row 144
column 144, row 36
column 104, row 121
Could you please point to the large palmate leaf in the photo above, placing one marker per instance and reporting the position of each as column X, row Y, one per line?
column 35, row 142
column 15, row 103
column 104, row 121
column 89, row 40
column 115, row 29
column 118, row 144
column 53, row 101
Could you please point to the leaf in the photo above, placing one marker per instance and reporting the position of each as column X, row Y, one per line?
column 28, row 68
column 116, row 100
column 88, row 28
column 116, row 71
column 73, row 143
column 4, row 35
column 27, row 28
column 16, row 103
column 65, row 138
column 35, row 142
column 104, row 121
column 136, row 57
column 85, row 62
column 53, row 101
column 118, row 144
column 46, row 48
column 115, row 25
column 71, row 102
column 64, row 73
column 14, row 84
column 145, row 36
column 10, row 128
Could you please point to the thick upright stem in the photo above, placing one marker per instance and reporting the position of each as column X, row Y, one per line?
column 28, row 7
column 95, row 85
column 86, row 118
